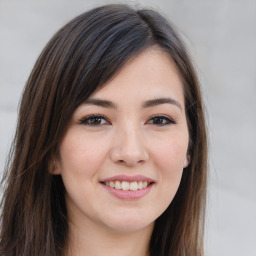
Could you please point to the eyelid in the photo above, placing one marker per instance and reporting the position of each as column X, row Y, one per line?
column 88, row 117
column 170, row 120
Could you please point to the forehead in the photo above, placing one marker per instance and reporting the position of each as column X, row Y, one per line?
column 151, row 74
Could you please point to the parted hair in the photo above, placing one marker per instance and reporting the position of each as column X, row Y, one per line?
column 82, row 56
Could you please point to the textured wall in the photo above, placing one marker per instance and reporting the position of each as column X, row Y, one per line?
column 221, row 35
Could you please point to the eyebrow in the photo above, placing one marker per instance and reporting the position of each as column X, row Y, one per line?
column 155, row 102
column 146, row 104
column 101, row 103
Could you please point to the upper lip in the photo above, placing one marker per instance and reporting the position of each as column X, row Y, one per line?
column 128, row 178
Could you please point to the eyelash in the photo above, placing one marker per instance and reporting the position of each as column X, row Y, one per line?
column 88, row 120
column 167, row 120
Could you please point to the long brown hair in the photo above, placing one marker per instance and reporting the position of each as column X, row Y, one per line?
column 82, row 56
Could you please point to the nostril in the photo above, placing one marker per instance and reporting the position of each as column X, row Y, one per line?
column 130, row 162
column 124, row 155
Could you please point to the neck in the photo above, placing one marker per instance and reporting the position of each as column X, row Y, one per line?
column 94, row 241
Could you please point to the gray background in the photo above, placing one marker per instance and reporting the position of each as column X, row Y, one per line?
column 221, row 36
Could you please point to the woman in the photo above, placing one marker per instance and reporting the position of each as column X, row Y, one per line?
column 110, row 152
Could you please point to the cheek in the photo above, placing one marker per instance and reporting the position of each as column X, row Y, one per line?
column 80, row 154
column 171, row 154
column 169, row 159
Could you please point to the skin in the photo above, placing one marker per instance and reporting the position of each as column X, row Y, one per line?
column 128, row 140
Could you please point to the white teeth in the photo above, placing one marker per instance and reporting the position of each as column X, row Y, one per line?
column 140, row 185
column 117, row 184
column 125, row 185
column 144, row 185
column 134, row 185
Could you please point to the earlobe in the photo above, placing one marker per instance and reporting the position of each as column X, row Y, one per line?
column 187, row 161
column 54, row 168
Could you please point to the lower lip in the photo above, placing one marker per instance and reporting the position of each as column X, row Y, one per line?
column 128, row 194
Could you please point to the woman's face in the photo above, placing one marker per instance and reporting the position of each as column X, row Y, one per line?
column 122, row 157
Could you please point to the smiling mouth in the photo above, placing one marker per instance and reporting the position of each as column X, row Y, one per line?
column 125, row 185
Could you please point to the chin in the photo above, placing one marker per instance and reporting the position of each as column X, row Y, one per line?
column 130, row 223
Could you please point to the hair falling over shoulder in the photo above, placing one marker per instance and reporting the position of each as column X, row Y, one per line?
column 83, row 55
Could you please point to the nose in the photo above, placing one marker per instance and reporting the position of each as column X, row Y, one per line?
column 129, row 148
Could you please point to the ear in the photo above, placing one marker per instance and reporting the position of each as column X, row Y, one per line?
column 54, row 167
column 186, row 161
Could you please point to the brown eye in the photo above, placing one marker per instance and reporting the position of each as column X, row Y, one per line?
column 94, row 120
column 160, row 120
